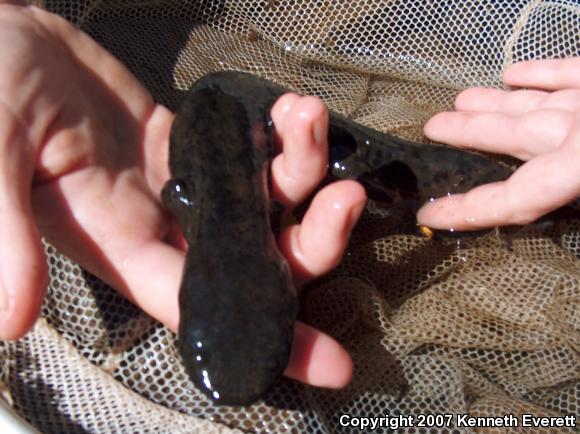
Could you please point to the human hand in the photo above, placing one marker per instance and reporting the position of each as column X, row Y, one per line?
column 83, row 159
column 539, row 125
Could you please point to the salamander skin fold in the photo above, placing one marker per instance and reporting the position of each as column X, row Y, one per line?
column 237, row 301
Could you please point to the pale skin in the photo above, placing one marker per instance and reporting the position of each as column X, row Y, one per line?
column 538, row 124
column 83, row 160
column 83, row 156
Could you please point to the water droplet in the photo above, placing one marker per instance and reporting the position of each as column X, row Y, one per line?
column 206, row 379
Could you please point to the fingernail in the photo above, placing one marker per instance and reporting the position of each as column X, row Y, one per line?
column 4, row 304
column 319, row 133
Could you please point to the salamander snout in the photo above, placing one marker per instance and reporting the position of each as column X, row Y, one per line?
column 237, row 368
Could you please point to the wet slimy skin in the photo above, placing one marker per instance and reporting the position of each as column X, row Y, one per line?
column 237, row 301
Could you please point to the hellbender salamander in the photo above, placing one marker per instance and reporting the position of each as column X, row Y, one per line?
column 237, row 301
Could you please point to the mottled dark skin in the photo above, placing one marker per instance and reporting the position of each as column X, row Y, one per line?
column 237, row 302
column 390, row 167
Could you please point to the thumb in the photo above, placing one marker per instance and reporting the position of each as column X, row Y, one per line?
column 23, row 269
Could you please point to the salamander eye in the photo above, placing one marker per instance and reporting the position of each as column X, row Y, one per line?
column 175, row 194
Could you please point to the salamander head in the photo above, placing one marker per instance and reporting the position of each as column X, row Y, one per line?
column 236, row 345
column 237, row 368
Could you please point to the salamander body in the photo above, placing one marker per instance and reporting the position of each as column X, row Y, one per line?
column 237, row 301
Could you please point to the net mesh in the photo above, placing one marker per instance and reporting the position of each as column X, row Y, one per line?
column 485, row 326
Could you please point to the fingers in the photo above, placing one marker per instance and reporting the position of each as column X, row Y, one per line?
column 522, row 123
column 541, row 185
column 316, row 245
column 552, row 74
column 23, row 269
column 155, row 292
column 156, row 147
column 302, row 127
column 318, row 360
column 516, row 102
column 93, row 58
column 520, row 135
column 496, row 100
column 90, row 217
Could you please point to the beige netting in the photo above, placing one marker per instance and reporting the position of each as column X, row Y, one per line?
column 484, row 326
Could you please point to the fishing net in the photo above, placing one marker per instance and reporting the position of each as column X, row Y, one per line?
column 485, row 326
